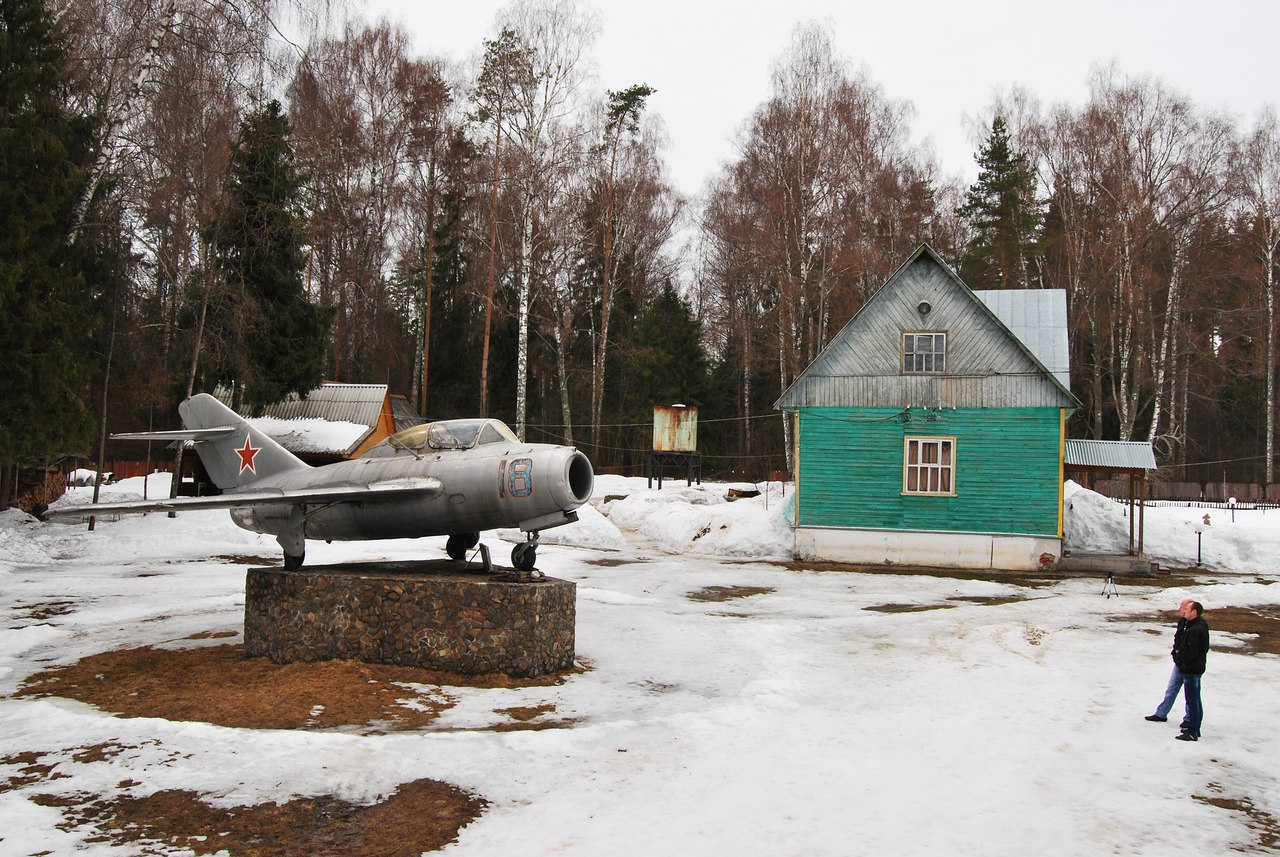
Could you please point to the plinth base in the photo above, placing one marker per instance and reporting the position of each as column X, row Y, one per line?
column 436, row 614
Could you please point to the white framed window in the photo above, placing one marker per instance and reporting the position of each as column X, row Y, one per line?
column 924, row 352
column 928, row 465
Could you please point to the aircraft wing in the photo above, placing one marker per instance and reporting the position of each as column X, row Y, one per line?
column 374, row 492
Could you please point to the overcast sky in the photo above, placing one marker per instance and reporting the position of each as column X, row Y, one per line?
column 710, row 61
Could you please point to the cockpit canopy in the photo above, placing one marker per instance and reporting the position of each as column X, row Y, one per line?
column 444, row 434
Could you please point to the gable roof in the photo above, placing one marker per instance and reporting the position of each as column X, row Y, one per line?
column 357, row 407
column 988, row 365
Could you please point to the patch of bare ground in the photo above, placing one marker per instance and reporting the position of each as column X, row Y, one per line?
column 28, row 768
column 907, row 608
column 43, row 611
column 248, row 559
column 720, row 594
column 530, row 718
column 217, row 684
column 423, row 815
column 1022, row 578
column 989, row 600
column 1262, row 823
column 1258, row 628
column 609, row 562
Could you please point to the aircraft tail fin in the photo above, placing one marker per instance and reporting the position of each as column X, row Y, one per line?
column 236, row 458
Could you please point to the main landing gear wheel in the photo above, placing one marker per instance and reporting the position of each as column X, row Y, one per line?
column 293, row 563
column 524, row 556
column 459, row 543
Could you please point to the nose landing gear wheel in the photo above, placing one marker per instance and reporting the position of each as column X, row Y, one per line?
column 524, row 556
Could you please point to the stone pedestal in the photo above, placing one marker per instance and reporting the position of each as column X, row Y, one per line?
column 425, row 614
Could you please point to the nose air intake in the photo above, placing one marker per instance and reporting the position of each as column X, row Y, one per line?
column 581, row 478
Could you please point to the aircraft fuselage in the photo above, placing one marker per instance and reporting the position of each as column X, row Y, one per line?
column 486, row 487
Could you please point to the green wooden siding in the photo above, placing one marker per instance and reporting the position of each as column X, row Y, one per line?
column 1006, row 470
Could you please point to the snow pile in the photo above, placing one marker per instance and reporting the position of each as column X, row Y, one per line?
column 1248, row 544
column 700, row 519
column 1093, row 522
column 21, row 540
column 591, row 530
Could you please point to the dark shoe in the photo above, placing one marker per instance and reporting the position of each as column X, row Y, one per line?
column 1186, row 736
column 1155, row 718
column 1184, row 726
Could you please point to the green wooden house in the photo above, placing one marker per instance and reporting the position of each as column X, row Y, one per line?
column 930, row 431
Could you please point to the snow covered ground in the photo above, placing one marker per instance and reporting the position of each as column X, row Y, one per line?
column 799, row 718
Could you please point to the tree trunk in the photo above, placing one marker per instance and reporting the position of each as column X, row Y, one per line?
column 525, row 288
column 106, row 150
column 102, row 422
column 1169, row 335
column 493, row 261
column 1269, row 297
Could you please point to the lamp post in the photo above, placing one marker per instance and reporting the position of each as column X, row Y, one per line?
column 1232, row 503
column 1198, row 526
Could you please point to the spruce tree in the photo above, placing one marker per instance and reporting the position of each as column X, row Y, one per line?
column 671, row 364
column 46, row 311
column 274, row 337
column 1004, row 216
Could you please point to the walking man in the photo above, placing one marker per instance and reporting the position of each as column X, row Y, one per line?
column 1190, row 659
column 1175, row 678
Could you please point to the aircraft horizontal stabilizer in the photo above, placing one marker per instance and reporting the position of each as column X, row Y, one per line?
column 377, row 492
column 179, row 434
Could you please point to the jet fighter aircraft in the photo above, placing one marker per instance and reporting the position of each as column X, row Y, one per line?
column 454, row 478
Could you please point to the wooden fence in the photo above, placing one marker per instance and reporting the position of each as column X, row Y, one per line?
column 1207, row 492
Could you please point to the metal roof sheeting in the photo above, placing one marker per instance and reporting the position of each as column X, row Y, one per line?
column 405, row 415
column 1110, row 454
column 340, row 403
column 1038, row 317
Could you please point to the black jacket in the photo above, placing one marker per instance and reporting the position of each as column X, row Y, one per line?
column 1193, row 647
column 1177, row 639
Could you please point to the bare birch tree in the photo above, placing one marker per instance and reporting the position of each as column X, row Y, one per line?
column 1258, row 168
column 541, row 127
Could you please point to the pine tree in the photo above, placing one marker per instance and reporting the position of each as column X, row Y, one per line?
column 671, row 364
column 275, row 337
column 1003, row 213
column 46, row 308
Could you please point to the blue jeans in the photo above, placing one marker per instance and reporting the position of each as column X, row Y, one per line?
column 1195, row 710
column 1171, row 694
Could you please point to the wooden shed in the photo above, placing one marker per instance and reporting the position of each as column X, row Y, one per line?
column 334, row 422
column 930, row 431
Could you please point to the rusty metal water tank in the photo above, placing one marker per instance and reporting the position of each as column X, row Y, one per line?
column 675, row 428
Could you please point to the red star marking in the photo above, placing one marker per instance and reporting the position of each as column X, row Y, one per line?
column 247, row 454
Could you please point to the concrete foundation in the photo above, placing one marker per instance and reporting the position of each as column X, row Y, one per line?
column 929, row 549
column 441, row 615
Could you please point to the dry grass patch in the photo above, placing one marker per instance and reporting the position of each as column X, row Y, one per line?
column 907, row 608
column 217, row 684
column 1262, row 823
column 423, row 815
column 1258, row 627
column 720, row 594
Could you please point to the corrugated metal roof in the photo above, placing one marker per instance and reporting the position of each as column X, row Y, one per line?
column 1038, row 317
column 404, row 414
column 340, row 403
column 1110, row 454
column 352, row 403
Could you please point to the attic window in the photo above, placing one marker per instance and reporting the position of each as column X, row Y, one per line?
column 924, row 353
